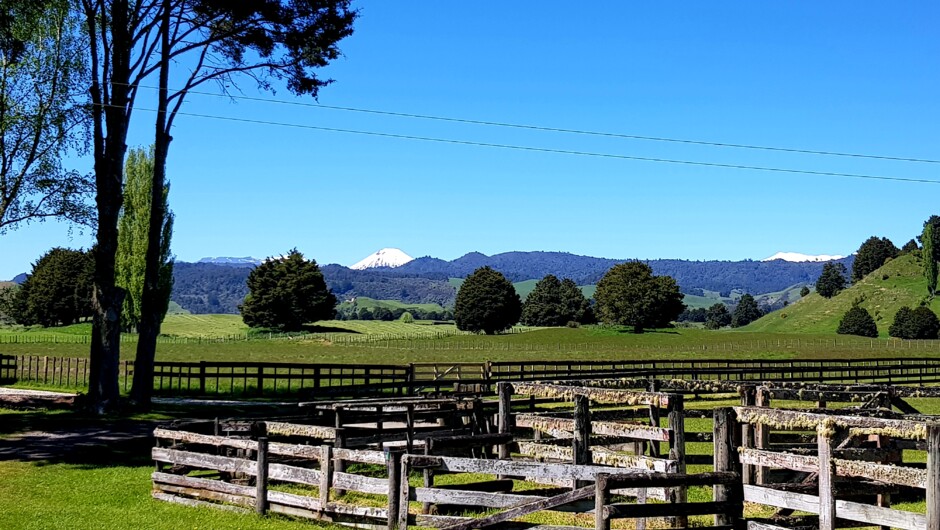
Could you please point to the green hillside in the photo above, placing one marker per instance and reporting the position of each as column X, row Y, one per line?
column 523, row 288
column 365, row 302
column 898, row 283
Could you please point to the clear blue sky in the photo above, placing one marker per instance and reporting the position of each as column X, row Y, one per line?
column 858, row 76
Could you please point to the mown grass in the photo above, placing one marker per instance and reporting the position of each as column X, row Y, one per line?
column 581, row 344
column 66, row 496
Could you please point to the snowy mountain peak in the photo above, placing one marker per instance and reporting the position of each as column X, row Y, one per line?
column 796, row 256
column 387, row 257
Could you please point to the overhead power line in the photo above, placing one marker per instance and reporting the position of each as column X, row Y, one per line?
column 565, row 130
column 554, row 151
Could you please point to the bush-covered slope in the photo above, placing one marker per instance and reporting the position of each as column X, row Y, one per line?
column 900, row 282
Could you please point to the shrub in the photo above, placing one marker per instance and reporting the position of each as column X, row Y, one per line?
column 920, row 323
column 858, row 321
column 407, row 318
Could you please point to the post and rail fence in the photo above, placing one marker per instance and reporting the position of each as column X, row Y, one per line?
column 314, row 380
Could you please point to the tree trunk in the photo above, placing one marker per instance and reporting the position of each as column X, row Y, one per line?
column 105, row 353
column 150, row 302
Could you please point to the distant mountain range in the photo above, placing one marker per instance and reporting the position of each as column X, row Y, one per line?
column 218, row 285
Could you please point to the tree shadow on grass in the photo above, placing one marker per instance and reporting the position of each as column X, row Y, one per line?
column 75, row 438
column 313, row 328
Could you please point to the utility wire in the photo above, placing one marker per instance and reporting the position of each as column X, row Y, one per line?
column 554, row 151
column 563, row 130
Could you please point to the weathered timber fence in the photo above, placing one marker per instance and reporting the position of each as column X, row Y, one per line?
column 255, row 378
column 837, row 471
column 249, row 469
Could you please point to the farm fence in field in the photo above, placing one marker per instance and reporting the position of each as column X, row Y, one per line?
column 310, row 379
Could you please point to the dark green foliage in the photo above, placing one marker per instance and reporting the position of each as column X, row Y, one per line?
column 575, row 305
column 909, row 247
column 630, row 295
column 717, row 316
column 930, row 254
column 543, row 305
column 554, row 303
column 832, row 280
column 745, row 312
column 871, row 256
column 58, row 291
column 920, row 323
column 382, row 313
column 804, row 291
column 857, row 321
column 286, row 293
column 133, row 226
column 487, row 302
column 692, row 315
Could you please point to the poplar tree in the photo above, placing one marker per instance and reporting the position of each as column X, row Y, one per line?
column 133, row 227
column 929, row 253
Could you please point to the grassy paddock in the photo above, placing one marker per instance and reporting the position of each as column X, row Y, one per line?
column 587, row 343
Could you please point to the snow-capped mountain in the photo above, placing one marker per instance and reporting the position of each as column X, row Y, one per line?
column 387, row 257
column 797, row 257
column 233, row 262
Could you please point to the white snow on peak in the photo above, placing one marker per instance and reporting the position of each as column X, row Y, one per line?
column 796, row 256
column 387, row 257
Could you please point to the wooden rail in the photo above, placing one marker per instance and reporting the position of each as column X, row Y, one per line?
column 316, row 380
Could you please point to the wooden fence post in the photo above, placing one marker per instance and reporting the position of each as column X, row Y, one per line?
column 261, row 482
column 326, row 476
column 748, row 399
column 725, row 434
column 827, row 475
column 404, row 495
column 395, row 484
column 933, row 476
column 505, row 415
column 202, row 378
column 762, row 433
column 654, row 417
column 600, row 500
column 339, row 465
column 581, row 442
column 679, row 494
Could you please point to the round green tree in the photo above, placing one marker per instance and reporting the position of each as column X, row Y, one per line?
column 804, row 292
column 629, row 294
column 717, row 316
column 872, row 255
column 832, row 280
column 487, row 302
column 285, row 293
column 59, row 289
column 857, row 321
column 543, row 305
column 745, row 312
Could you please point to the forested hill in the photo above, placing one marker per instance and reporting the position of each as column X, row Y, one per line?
column 755, row 277
column 215, row 288
column 219, row 288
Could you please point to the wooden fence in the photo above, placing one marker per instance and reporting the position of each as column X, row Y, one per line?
column 258, row 378
column 836, row 468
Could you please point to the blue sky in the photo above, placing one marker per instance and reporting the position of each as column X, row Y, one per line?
column 860, row 77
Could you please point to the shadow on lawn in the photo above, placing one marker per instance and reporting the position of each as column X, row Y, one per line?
column 75, row 438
